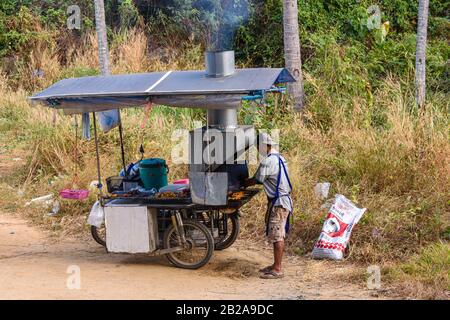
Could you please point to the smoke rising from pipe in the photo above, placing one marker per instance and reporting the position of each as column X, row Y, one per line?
column 216, row 21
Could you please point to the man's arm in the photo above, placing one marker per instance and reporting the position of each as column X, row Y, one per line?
column 260, row 175
column 250, row 182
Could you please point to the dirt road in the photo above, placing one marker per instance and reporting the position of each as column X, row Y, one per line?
column 34, row 266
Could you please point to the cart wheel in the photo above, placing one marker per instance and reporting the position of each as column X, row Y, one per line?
column 99, row 235
column 199, row 247
column 233, row 232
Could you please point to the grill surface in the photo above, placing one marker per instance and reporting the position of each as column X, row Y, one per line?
column 182, row 203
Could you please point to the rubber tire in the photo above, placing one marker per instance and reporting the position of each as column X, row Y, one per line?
column 209, row 239
column 235, row 233
column 96, row 236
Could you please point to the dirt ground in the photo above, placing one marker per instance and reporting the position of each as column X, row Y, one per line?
column 35, row 266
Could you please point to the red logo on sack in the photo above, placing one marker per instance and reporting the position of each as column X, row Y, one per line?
column 333, row 226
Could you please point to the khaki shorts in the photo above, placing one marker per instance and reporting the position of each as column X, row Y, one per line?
column 277, row 223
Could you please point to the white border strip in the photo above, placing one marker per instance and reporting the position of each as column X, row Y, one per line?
column 159, row 81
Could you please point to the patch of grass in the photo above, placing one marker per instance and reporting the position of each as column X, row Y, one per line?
column 425, row 275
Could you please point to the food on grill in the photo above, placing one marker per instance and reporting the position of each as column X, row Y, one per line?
column 166, row 195
column 237, row 195
column 172, row 194
column 120, row 195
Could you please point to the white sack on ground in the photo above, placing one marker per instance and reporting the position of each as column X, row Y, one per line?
column 337, row 228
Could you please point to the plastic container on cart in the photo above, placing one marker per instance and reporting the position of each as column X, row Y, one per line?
column 153, row 173
column 174, row 188
column 181, row 181
column 117, row 183
column 114, row 184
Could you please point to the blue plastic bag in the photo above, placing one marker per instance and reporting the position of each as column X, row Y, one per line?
column 109, row 120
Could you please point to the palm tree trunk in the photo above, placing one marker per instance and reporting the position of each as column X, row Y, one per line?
column 421, row 47
column 100, row 26
column 292, row 56
column 103, row 55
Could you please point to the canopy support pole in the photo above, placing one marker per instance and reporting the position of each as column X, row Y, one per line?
column 99, row 185
column 121, row 146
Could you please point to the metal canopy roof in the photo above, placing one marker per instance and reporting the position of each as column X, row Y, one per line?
column 172, row 88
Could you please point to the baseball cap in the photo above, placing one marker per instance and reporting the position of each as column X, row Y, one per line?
column 265, row 138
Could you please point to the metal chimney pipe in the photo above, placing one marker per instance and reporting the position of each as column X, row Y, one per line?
column 223, row 118
column 220, row 64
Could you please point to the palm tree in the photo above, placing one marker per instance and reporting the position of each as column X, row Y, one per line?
column 421, row 47
column 292, row 56
column 100, row 25
column 103, row 55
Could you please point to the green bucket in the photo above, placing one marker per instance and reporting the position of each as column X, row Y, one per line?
column 153, row 173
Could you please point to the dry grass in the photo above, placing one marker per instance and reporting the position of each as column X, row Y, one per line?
column 425, row 275
column 400, row 173
column 129, row 53
column 384, row 156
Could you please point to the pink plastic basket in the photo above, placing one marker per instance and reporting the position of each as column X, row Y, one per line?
column 181, row 181
column 74, row 194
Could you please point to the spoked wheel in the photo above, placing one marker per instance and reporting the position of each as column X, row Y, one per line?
column 232, row 228
column 198, row 249
column 99, row 234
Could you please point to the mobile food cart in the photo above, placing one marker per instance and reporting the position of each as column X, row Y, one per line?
column 185, row 222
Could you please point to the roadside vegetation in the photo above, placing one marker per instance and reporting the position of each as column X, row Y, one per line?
column 361, row 129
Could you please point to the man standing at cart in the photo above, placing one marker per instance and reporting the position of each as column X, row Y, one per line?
column 273, row 175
